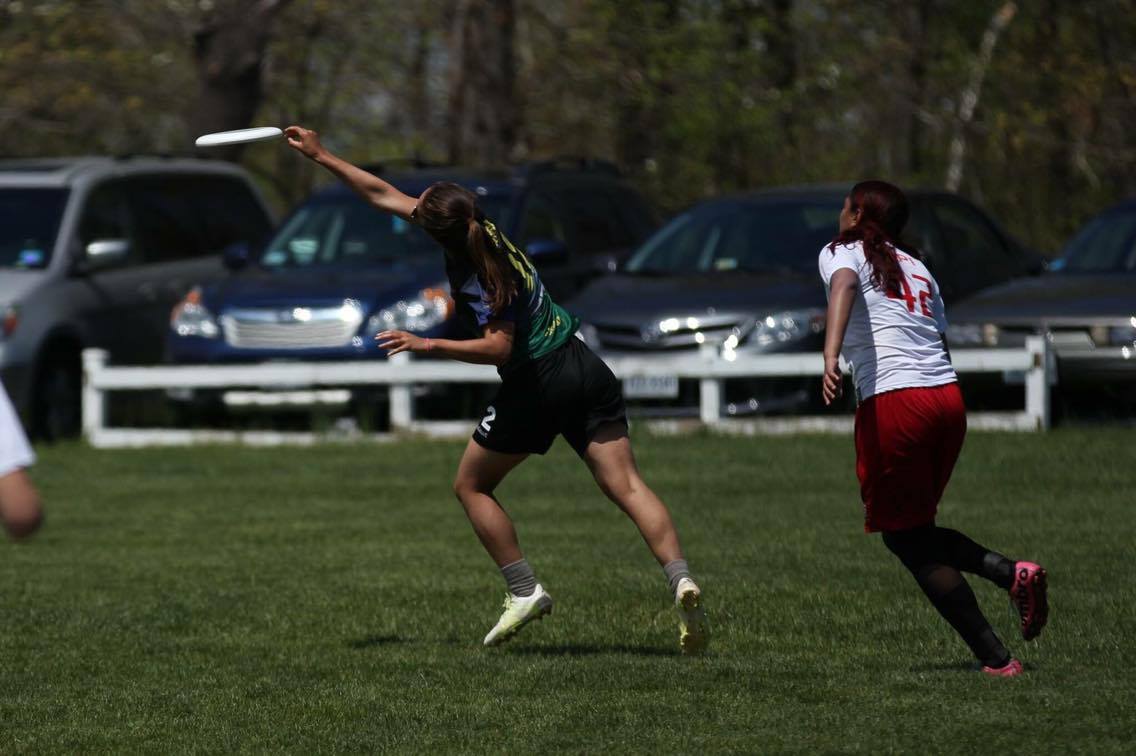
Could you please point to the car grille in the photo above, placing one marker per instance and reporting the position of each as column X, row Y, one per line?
column 650, row 338
column 291, row 328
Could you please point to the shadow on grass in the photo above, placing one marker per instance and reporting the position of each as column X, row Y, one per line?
column 587, row 649
column 376, row 640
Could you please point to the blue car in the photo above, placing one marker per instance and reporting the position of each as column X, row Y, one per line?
column 336, row 271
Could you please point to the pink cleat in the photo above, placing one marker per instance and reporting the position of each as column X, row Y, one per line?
column 1013, row 668
column 1029, row 595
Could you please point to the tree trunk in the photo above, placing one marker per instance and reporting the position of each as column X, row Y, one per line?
column 969, row 99
column 483, row 111
column 228, row 51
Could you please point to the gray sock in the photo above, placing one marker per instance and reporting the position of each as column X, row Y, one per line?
column 676, row 570
column 519, row 577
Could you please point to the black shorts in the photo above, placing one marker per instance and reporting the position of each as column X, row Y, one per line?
column 570, row 392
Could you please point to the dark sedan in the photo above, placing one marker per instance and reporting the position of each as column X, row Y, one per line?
column 740, row 273
column 1085, row 305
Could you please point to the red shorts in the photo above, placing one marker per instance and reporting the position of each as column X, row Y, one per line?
column 907, row 443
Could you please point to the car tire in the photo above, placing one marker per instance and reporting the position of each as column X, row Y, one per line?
column 56, row 403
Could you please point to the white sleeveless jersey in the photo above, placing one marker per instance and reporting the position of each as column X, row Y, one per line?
column 15, row 453
column 892, row 341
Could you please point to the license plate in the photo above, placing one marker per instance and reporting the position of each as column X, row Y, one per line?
column 650, row 386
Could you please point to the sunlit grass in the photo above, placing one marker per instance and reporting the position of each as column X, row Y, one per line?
column 333, row 599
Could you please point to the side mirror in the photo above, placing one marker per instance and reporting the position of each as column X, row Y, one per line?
column 547, row 250
column 236, row 256
column 105, row 253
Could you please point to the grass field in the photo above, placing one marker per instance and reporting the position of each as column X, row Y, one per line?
column 333, row 599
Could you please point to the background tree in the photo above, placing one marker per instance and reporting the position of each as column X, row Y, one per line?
column 229, row 44
column 691, row 97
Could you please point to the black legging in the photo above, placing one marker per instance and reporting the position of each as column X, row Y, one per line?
column 937, row 557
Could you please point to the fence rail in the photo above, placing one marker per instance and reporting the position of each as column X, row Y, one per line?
column 400, row 374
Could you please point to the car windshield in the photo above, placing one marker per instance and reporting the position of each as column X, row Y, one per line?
column 345, row 231
column 749, row 236
column 29, row 221
column 1106, row 245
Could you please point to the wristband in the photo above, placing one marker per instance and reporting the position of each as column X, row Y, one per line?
column 429, row 345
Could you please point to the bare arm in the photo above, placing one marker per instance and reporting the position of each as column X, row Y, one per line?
column 370, row 187
column 493, row 347
column 842, row 293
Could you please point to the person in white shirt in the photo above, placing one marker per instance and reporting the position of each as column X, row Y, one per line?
column 20, row 508
column 885, row 314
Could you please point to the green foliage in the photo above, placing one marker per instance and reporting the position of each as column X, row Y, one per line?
column 333, row 599
column 693, row 97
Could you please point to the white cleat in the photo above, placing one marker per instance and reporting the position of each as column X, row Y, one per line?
column 519, row 611
column 693, row 627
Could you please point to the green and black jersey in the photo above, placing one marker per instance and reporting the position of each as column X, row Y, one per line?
column 542, row 326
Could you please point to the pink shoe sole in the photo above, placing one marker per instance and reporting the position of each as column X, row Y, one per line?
column 1030, row 595
column 1013, row 669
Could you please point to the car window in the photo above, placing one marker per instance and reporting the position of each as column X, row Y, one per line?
column 922, row 233
column 636, row 217
column 166, row 225
column 29, row 221
column 973, row 256
column 228, row 212
column 594, row 219
column 1106, row 244
column 542, row 220
column 726, row 236
column 344, row 231
column 104, row 215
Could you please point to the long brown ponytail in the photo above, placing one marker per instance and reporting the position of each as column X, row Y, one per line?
column 450, row 214
column 883, row 214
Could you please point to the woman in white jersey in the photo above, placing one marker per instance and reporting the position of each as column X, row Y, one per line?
column 20, row 509
column 885, row 315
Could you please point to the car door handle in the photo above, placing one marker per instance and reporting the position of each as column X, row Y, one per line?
column 148, row 291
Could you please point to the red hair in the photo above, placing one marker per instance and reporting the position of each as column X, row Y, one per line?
column 883, row 214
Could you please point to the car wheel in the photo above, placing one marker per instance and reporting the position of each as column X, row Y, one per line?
column 57, row 408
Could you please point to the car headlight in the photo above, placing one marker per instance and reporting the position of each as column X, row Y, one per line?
column 192, row 318
column 430, row 308
column 972, row 334
column 779, row 328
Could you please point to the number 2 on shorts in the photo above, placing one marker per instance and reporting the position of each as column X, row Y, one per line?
column 490, row 416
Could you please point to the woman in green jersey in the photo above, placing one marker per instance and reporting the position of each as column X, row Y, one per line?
column 551, row 384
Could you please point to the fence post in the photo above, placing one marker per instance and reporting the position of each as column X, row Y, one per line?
column 709, row 389
column 401, row 398
column 94, row 401
column 1037, row 382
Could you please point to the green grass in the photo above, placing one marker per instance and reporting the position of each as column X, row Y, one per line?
column 334, row 599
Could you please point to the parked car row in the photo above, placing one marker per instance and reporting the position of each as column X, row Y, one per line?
column 157, row 259
column 1085, row 305
column 336, row 272
column 741, row 272
column 95, row 252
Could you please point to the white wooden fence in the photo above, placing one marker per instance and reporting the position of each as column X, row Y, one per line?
column 401, row 373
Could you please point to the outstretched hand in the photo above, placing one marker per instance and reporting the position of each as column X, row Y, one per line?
column 400, row 341
column 304, row 141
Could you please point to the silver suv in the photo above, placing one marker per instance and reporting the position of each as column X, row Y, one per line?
column 95, row 252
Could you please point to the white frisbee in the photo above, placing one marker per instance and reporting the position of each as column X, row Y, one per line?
column 239, row 136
